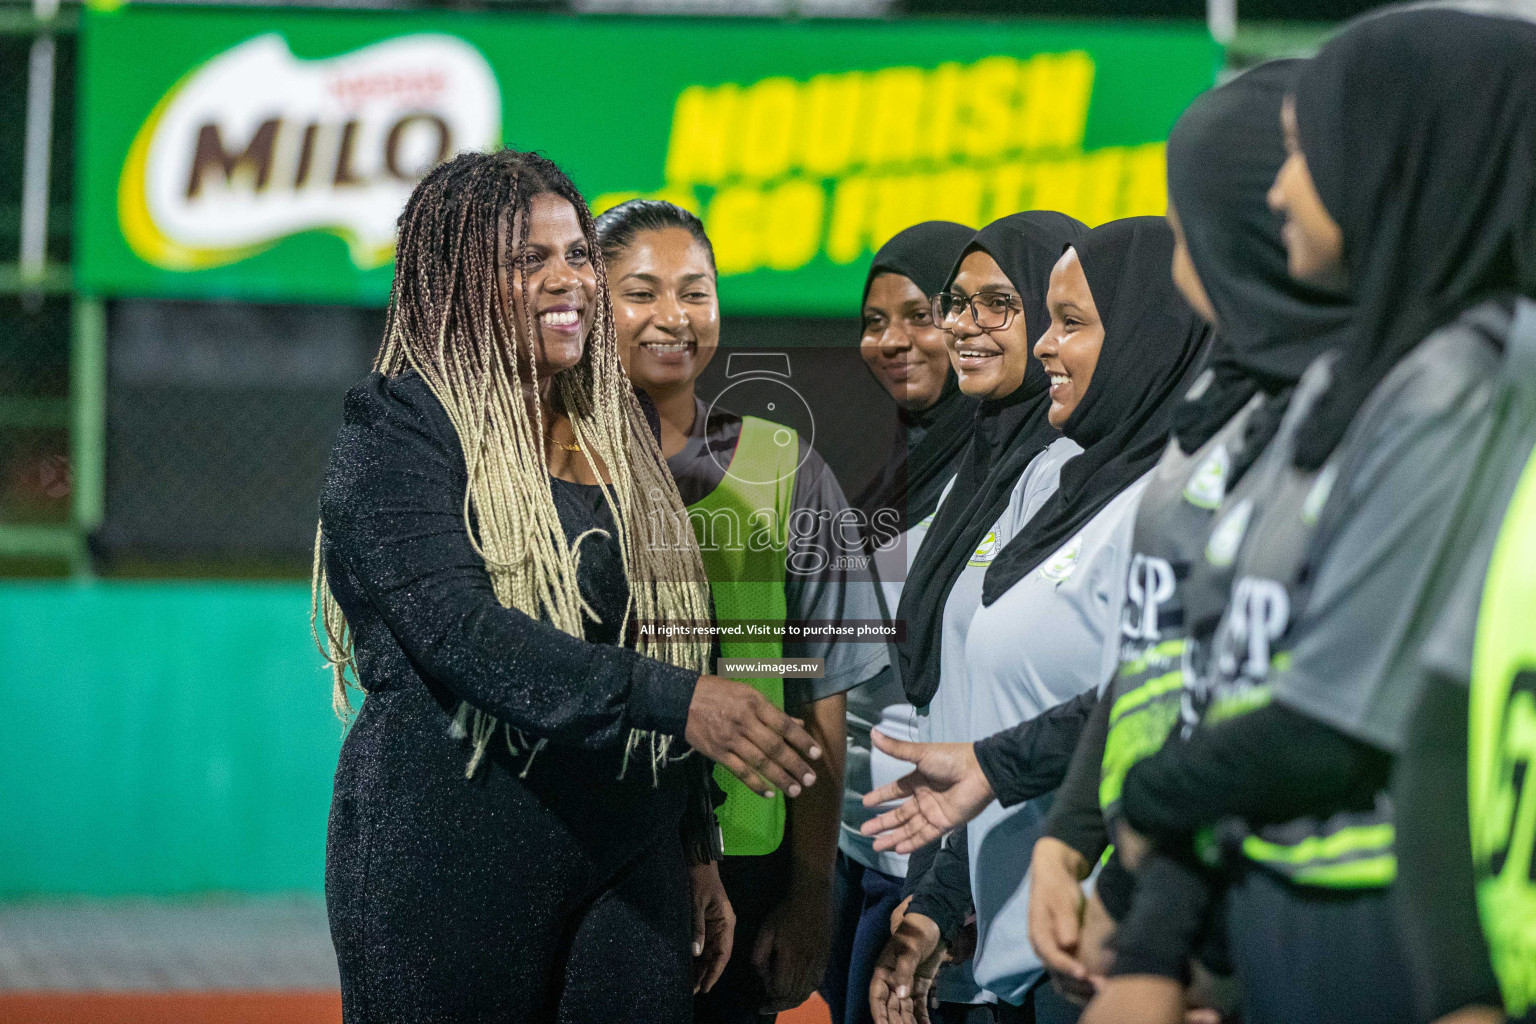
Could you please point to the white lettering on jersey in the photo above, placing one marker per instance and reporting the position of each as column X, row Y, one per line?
column 1258, row 615
column 1150, row 586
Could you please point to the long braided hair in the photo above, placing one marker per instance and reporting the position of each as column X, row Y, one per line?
column 447, row 322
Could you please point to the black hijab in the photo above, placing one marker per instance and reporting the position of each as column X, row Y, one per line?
column 1007, row 434
column 1419, row 129
column 1153, row 345
column 929, row 440
column 1222, row 158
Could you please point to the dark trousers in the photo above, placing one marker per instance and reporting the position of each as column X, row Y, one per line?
column 863, row 900
column 561, row 898
column 1313, row 955
column 755, row 886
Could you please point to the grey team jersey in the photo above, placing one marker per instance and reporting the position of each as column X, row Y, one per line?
column 1183, row 492
column 1051, row 636
column 948, row 716
column 831, row 594
column 1397, row 482
column 1448, row 649
column 1328, row 570
column 947, row 719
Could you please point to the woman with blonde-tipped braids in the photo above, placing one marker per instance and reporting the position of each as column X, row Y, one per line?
column 516, row 804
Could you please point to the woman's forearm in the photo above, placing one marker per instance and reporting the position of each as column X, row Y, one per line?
column 393, row 519
column 1267, row 766
column 1032, row 758
column 1076, row 817
column 944, row 892
column 815, row 816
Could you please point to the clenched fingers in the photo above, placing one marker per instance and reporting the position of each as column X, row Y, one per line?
column 1053, row 930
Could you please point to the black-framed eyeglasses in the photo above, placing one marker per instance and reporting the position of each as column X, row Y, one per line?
column 990, row 311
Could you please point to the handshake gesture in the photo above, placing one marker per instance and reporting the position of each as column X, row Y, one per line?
column 733, row 725
column 945, row 789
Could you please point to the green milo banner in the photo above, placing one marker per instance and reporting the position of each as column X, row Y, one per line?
column 266, row 154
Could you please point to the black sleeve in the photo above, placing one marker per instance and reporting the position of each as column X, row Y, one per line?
column 1269, row 765
column 1115, row 887
column 944, row 892
column 1076, row 818
column 392, row 514
column 1448, row 955
column 919, row 861
column 1166, row 922
column 1031, row 759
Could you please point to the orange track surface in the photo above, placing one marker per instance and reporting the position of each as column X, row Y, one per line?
column 170, row 1008
column 219, row 1008
column 813, row 1011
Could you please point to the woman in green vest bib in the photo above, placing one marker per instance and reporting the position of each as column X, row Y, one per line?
column 758, row 497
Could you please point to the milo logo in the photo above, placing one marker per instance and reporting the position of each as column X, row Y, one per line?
column 257, row 144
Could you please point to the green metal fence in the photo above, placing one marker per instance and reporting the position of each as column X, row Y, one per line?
column 52, row 339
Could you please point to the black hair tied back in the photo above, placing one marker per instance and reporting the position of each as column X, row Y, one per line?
column 618, row 227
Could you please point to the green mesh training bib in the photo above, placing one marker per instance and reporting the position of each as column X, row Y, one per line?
column 743, row 531
column 1501, row 748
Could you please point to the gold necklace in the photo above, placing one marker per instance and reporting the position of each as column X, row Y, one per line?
column 572, row 447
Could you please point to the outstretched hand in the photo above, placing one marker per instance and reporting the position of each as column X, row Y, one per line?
column 946, row 790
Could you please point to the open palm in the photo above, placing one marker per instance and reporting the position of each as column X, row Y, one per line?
column 945, row 789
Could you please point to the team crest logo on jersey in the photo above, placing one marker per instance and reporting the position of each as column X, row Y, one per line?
column 1060, row 565
column 1208, row 485
column 985, row 551
column 1227, row 536
column 1317, row 497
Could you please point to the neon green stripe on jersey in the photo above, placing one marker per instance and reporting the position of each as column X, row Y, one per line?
column 1149, row 690
column 1359, row 856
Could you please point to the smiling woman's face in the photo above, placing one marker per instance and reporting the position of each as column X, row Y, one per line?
column 1069, row 348
column 554, row 268
column 1314, row 242
column 901, row 344
column 990, row 361
column 665, row 308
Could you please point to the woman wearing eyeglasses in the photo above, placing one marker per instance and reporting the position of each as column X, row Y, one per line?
column 995, row 303
column 1033, row 620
